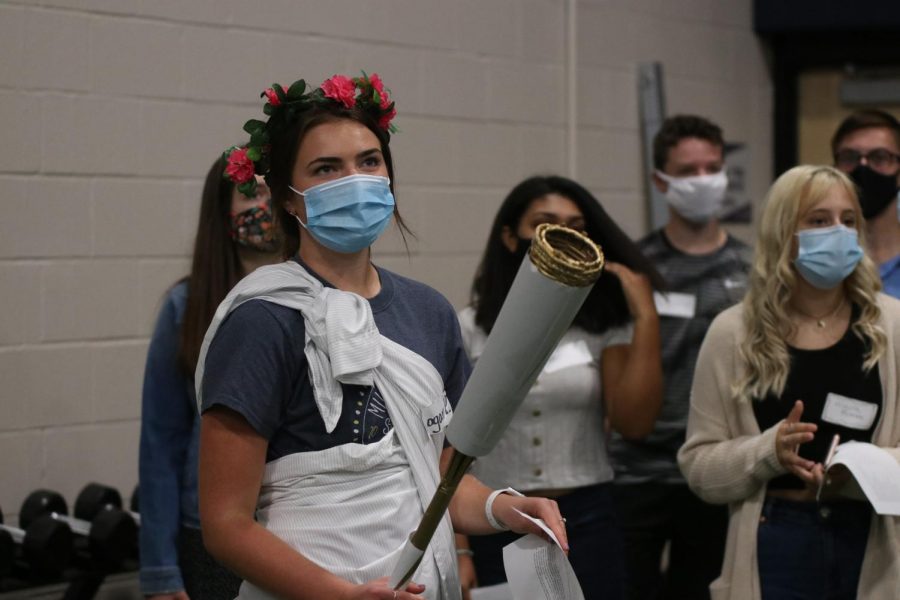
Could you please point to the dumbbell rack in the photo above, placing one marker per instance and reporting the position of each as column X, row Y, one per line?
column 76, row 584
column 118, row 586
column 98, row 580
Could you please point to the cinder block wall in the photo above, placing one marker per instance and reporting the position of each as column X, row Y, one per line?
column 112, row 111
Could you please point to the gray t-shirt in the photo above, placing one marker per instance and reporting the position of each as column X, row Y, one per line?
column 711, row 283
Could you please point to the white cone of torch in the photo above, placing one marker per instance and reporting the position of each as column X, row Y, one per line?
column 549, row 289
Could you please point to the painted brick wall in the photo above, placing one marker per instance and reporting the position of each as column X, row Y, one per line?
column 112, row 110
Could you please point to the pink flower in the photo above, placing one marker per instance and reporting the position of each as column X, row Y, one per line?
column 272, row 96
column 378, row 86
column 385, row 121
column 240, row 168
column 341, row 89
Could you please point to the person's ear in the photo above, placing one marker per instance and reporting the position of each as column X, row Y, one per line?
column 509, row 239
column 660, row 184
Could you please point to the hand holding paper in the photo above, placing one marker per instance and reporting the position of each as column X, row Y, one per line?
column 539, row 570
column 875, row 472
column 536, row 569
column 524, row 514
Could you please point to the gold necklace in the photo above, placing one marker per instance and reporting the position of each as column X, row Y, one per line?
column 821, row 321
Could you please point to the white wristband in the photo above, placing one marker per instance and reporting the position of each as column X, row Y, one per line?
column 489, row 508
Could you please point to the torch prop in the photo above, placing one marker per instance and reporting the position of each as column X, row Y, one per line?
column 549, row 289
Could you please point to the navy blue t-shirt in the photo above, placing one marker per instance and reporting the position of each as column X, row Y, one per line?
column 256, row 366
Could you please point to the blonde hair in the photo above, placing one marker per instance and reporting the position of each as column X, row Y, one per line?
column 764, row 350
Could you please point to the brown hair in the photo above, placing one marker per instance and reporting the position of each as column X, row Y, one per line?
column 674, row 129
column 865, row 119
column 215, row 268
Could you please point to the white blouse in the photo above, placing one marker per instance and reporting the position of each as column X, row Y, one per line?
column 556, row 439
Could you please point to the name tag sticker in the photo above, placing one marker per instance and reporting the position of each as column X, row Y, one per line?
column 849, row 412
column 438, row 421
column 675, row 304
column 570, row 354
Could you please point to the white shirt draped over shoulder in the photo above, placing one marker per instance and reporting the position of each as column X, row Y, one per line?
column 350, row 508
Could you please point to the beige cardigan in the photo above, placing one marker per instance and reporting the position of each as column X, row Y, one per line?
column 726, row 459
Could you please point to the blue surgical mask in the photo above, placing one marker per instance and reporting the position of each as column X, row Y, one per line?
column 348, row 214
column 827, row 256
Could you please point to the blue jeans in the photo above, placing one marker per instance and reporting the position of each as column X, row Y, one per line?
column 595, row 545
column 811, row 551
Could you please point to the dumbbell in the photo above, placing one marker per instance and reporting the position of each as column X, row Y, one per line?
column 96, row 497
column 7, row 549
column 46, row 545
column 110, row 536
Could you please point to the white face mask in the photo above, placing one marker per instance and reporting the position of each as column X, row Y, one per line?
column 699, row 198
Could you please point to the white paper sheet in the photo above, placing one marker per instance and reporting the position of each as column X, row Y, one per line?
column 876, row 472
column 539, row 570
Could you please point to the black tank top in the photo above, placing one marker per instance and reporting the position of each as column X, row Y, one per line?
column 814, row 374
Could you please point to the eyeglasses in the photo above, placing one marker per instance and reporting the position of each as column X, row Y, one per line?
column 879, row 158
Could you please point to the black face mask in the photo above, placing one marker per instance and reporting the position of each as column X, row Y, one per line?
column 875, row 190
column 523, row 245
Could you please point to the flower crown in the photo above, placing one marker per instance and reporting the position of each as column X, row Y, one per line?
column 283, row 107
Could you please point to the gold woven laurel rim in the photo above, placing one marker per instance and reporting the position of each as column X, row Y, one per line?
column 566, row 256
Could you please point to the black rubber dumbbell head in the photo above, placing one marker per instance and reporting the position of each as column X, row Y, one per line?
column 47, row 546
column 95, row 497
column 113, row 538
column 41, row 502
column 111, row 535
column 7, row 550
column 7, row 553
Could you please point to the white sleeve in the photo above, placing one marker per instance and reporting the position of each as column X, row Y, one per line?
column 619, row 336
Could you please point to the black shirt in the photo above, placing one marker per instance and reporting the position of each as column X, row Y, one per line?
column 815, row 374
